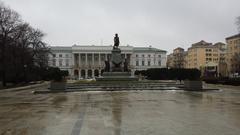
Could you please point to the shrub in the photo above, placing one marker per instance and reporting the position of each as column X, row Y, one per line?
column 55, row 74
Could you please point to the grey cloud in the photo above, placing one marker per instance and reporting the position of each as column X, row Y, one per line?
column 165, row 24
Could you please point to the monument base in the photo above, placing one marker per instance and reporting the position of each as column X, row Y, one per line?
column 117, row 76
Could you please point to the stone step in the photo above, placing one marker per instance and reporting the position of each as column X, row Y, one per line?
column 125, row 89
column 128, row 84
column 116, row 74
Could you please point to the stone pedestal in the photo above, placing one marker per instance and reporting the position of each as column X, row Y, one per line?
column 193, row 85
column 58, row 86
column 116, row 76
column 116, row 71
column 116, row 65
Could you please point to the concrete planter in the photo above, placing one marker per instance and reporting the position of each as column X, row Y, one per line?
column 58, row 85
column 193, row 85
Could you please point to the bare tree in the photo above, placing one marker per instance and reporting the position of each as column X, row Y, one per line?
column 21, row 46
column 9, row 19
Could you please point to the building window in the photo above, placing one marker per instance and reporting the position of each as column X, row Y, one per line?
column 149, row 63
column 60, row 62
column 143, row 63
column 137, row 63
column 149, row 56
column 95, row 57
column 60, row 55
column 208, row 59
column 67, row 62
column 159, row 63
column 102, row 58
column 54, row 62
column 208, row 54
column 159, row 56
column 143, row 55
column 66, row 55
column 208, row 50
column 54, row 55
column 136, row 55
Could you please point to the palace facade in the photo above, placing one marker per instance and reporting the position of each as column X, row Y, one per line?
column 89, row 61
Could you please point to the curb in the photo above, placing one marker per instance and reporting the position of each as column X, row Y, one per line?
column 26, row 87
column 112, row 90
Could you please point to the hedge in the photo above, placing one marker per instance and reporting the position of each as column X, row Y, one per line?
column 170, row 74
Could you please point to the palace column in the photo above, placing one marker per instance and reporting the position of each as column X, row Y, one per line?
column 73, row 62
column 99, row 65
column 93, row 66
column 132, row 72
column 79, row 61
column 86, row 67
column 86, row 60
column 79, row 74
column 86, row 73
column 93, row 61
column 99, row 72
column 99, row 60
column 93, row 76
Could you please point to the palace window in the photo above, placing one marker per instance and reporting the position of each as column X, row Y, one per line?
column 159, row 63
column 143, row 63
column 102, row 57
column 149, row 63
column 95, row 57
column 67, row 62
column 137, row 63
column 60, row 55
column 54, row 62
column 60, row 63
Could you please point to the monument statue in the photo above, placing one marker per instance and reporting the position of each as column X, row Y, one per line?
column 116, row 67
column 116, row 41
column 116, row 56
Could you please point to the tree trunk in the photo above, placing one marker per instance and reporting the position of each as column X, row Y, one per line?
column 3, row 75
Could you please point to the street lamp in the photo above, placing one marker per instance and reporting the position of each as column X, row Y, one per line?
column 25, row 67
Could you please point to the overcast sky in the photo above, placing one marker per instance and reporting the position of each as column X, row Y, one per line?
column 165, row 24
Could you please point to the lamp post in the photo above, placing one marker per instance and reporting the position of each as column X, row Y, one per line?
column 24, row 72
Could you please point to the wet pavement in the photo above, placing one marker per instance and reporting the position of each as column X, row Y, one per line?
column 173, row 112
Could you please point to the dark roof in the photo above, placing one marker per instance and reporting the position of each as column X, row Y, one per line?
column 144, row 49
column 234, row 36
column 179, row 48
column 219, row 43
column 202, row 43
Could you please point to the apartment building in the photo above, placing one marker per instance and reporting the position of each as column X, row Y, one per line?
column 233, row 54
column 177, row 58
column 206, row 57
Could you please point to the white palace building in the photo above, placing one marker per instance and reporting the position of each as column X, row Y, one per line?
column 89, row 61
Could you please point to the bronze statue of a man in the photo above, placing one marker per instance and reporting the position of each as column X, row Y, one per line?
column 116, row 41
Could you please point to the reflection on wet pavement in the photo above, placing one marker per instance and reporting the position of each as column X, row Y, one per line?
column 121, row 113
